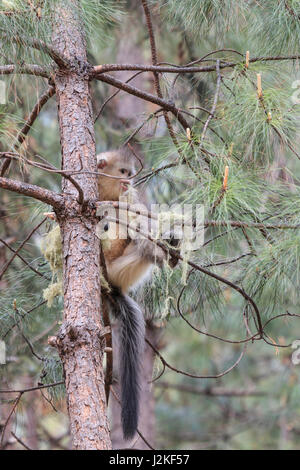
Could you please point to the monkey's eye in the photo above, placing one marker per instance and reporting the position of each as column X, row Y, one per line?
column 123, row 171
column 129, row 174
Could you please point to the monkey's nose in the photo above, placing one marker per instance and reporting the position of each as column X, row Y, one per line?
column 125, row 184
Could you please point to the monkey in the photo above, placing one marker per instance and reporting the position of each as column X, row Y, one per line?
column 128, row 262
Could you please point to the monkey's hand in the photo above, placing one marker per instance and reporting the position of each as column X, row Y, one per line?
column 174, row 243
column 154, row 253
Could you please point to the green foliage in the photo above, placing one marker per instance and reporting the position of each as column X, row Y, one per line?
column 275, row 27
column 273, row 276
column 200, row 17
column 255, row 137
column 53, row 373
column 256, row 126
column 101, row 17
column 28, row 23
column 52, row 251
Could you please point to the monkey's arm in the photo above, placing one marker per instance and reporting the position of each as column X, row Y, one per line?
column 155, row 254
column 149, row 251
column 132, row 267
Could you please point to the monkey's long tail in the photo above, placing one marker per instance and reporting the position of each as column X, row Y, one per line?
column 131, row 347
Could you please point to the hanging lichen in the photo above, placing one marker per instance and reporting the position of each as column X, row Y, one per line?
column 51, row 248
column 52, row 291
column 104, row 283
column 185, row 253
column 181, row 226
column 168, row 298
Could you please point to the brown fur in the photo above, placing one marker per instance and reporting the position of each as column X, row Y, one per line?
column 115, row 248
column 110, row 188
column 127, row 261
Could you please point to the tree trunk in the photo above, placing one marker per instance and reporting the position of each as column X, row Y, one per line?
column 80, row 341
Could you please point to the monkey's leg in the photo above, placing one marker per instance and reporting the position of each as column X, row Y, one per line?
column 129, row 269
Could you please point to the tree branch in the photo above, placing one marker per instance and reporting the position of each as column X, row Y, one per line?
column 16, row 402
column 20, row 441
column 167, row 105
column 100, row 69
column 60, row 59
column 6, row 266
column 30, row 69
column 34, row 113
column 30, row 190
column 179, row 371
column 27, row 126
column 212, row 391
column 21, row 257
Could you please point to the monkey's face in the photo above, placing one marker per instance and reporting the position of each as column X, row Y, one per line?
column 112, row 188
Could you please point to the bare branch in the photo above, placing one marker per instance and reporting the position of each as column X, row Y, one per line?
column 212, row 391
column 39, row 45
column 34, row 113
column 27, row 126
column 113, row 95
column 21, row 316
column 17, row 400
column 99, row 69
column 30, row 69
column 167, row 105
column 31, row 389
column 20, row 441
column 30, row 190
column 21, row 257
column 5, row 267
column 157, row 84
column 179, row 371
column 152, row 45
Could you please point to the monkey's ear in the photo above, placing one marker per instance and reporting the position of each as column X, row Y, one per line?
column 101, row 163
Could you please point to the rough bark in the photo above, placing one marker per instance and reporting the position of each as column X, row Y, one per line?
column 80, row 341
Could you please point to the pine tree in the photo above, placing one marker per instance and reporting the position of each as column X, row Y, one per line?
column 219, row 129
